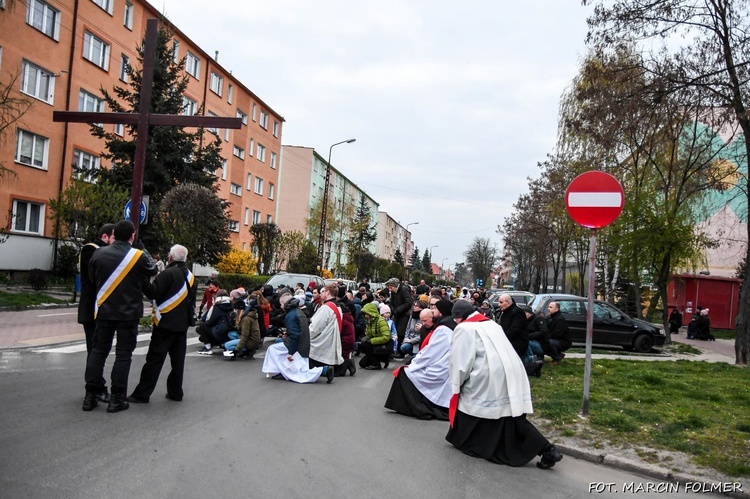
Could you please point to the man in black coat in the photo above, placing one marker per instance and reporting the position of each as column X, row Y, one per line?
column 513, row 322
column 173, row 294
column 88, row 292
column 559, row 333
column 120, row 273
column 401, row 302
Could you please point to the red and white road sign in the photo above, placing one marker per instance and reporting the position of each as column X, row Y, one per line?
column 594, row 199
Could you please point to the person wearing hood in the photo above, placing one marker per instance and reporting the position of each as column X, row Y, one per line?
column 214, row 331
column 492, row 396
column 249, row 331
column 377, row 344
column 422, row 389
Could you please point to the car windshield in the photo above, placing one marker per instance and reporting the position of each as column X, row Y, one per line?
column 289, row 280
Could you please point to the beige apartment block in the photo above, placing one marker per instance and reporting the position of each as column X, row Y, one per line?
column 392, row 236
column 64, row 52
column 301, row 187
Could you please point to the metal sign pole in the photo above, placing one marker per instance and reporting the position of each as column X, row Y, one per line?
column 589, row 323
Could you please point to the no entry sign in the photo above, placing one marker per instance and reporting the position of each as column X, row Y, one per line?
column 594, row 199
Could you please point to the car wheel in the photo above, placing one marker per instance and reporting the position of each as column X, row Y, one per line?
column 643, row 343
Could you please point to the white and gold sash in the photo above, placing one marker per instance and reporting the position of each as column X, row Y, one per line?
column 171, row 303
column 127, row 263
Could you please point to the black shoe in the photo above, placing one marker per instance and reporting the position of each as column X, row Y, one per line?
column 117, row 402
column 549, row 457
column 351, row 368
column 329, row 375
column 133, row 399
column 385, row 366
column 278, row 376
column 373, row 367
column 539, row 366
column 103, row 397
column 172, row 398
column 89, row 402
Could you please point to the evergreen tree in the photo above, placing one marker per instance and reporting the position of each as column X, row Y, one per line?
column 414, row 262
column 426, row 261
column 398, row 257
column 265, row 239
column 174, row 156
column 306, row 262
column 362, row 231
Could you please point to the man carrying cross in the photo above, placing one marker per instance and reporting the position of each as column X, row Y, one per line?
column 119, row 272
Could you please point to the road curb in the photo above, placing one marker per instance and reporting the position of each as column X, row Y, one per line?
column 43, row 306
column 691, row 483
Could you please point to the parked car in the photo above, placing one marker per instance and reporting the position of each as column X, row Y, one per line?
column 612, row 326
column 520, row 297
column 350, row 285
column 291, row 280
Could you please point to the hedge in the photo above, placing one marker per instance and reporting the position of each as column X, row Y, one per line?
column 249, row 282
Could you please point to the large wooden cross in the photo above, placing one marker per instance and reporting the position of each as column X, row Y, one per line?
column 143, row 119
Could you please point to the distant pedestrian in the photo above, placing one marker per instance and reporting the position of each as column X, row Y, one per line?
column 675, row 321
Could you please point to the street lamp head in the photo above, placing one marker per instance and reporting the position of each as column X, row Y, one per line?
column 350, row 141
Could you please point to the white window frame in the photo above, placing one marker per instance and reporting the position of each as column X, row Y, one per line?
column 223, row 169
column 86, row 162
column 263, row 119
column 247, row 216
column 238, row 151
column 234, row 225
column 43, row 18
column 271, row 191
column 269, row 218
column 90, row 103
column 276, row 129
column 226, row 135
column 261, row 153
column 230, row 93
column 39, row 145
column 119, row 129
column 235, row 189
column 175, row 50
column 40, row 75
column 272, row 162
column 27, row 224
column 242, row 115
column 189, row 106
column 124, row 63
column 252, row 146
column 214, row 131
column 259, row 186
column 256, row 217
column 216, row 83
column 255, row 112
column 127, row 18
column 192, row 65
column 100, row 57
column 249, row 181
column 106, row 5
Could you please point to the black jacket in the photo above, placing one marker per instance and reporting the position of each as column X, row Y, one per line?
column 125, row 302
column 88, row 288
column 166, row 285
column 401, row 302
column 514, row 324
column 538, row 331
column 558, row 329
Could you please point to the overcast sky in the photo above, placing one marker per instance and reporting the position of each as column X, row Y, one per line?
column 452, row 104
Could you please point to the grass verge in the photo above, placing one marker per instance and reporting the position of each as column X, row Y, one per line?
column 20, row 300
column 724, row 334
column 698, row 408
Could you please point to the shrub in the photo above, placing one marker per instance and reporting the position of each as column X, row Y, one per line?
column 37, row 279
column 237, row 261
column 67, row 261
column 249, row 282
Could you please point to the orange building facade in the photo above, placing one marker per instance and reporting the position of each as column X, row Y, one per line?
column 58, row 54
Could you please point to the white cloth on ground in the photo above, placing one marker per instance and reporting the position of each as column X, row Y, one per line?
column 298, row 370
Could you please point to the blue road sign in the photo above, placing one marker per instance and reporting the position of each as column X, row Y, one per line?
column 143, row 211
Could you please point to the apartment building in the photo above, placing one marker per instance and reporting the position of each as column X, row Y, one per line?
column 392, row 236
column 63, row 52
column 301, row 186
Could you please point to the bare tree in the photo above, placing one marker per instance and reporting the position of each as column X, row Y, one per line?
column 481, row 257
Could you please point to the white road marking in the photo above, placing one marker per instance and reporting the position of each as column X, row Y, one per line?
column 53, row 315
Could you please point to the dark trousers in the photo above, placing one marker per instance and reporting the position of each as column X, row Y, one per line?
column 127, row 334
column 556, row 347
column 89, row 329
column 163, row 342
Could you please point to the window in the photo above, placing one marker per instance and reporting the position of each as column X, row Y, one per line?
column 269, row 219
column 234, row 226
column 96, row 50
column 252, row 146
column 175, row 51
column 28, row 217
column 230, row 93
column 192, row 65
column 32, row 149
column 571, row 307
column 105, row 4
column 256, row 217
column 119, row 129
column 249, row 181
column 189, row 106
column 273, row 160
column 215, row 131
column 261, row 153
column 124, row 65
column 264, row 119
column 255, row 112
column 223, row 169
column 43, row 18
column 239, row 152
column 217, row 83
column 258, row 186
column 242, row 115
column 85, row 165
column 128, row 17
column 247, row 216
column 37, row 82
column 276, row 129
column 271, row 190
column 90, row 103
column 226, row 135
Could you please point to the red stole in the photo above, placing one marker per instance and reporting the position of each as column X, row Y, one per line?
column 453, row 406
column 336, row 312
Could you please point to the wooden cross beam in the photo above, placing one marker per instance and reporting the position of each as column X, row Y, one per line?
column 143, row 119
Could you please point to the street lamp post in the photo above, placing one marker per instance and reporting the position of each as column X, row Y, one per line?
column 442, row 272
column 405, row 240
column 324, row 209
column 429, row 252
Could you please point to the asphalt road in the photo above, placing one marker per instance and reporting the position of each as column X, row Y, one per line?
column 239, row 434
